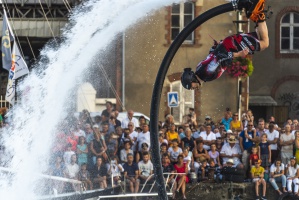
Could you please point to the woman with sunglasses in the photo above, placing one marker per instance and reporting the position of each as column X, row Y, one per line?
column 236, row 124
column 277, row 175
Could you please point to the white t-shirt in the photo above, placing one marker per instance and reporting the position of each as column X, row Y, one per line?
column 195, row 135
column 73, row 170
column 145, row 168
column 124, row 123
column 292, row 171
column 186, row 160
column 67, row 156
column 226, row 149
column 285, row 137
column 209, row 137
column 132, row 135
column 79, row 133
column 115, row 171
column 144, row 138
column 271, row 137
column 273, row 168
column 174, row 154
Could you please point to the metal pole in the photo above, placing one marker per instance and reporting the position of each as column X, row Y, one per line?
column 156, row 96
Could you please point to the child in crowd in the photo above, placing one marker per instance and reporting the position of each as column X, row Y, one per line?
column 163, row 149
column 174, row 151
column 214, row 171
column 253, row 156
column 115, row 169
column 84, row 176
column 214, row 154
column 68, row 154
column 82, row 151
column 292, row 174
column 265, row 152
column 257, row 173
column 203, row 171
column 124, row 152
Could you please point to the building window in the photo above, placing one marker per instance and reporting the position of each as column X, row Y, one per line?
column 186, row 101
column 289, row 33
column 181, row 15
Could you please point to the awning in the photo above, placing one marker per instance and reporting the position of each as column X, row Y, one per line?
column 262, row 101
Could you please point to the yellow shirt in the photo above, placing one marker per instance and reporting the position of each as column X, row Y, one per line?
column 172, row 136
column 235, row 125
column 257, row 171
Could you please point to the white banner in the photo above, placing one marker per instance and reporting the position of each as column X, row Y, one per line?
column 18, row 63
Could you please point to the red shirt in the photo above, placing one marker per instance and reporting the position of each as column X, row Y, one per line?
column 253, row 158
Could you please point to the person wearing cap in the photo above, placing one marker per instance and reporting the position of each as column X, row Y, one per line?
column 208, row 120
column 257, row 174
column 292, row 174
column 231, row 150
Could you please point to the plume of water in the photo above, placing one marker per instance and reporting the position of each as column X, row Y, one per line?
column 45, row 92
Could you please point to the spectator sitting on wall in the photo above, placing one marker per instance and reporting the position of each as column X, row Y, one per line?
column 99, row 173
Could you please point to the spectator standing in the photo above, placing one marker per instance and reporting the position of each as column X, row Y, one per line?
column 208, row 137
column 108, row 110
column 286, row 142
column 168, row 120
column 82, row 151
column 130, row 118
column 143, row 137
column 246, row 143
column 226, row 119
column 236, row 124
column 257, row 173
column 131, row 173
column 277, row 170
column 89, row 133
column 112, row 144
column 78, row 131
column 98, row 148
column 68, row 154
column 265, row 152
column 133, row 135
column 297, row 146
column 272, row 137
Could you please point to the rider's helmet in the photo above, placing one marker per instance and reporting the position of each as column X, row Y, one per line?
column 187, row 78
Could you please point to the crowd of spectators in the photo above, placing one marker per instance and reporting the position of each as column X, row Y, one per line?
column 93, row 150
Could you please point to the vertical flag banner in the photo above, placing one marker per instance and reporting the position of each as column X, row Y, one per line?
column 7, row 38
column 19, row 66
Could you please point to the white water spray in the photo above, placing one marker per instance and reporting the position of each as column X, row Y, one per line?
column 45, row 91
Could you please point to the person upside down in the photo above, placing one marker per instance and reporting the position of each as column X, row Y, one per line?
column 222, row 54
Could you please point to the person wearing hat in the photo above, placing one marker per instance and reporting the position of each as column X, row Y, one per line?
column 257, row 173
column 231, row 150
column 292, row 174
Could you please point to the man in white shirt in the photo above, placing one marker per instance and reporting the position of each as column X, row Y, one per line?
column 231, row 150
column 208, row 137
column 272, row 138
column 72, row 171
column 145, row 168
column 130, row 118
column 144, row 137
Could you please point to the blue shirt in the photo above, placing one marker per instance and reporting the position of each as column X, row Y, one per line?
column 226, row 122
column 246, row 142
